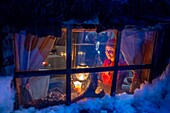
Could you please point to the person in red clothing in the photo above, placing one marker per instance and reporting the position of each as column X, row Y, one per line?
column 106, row 77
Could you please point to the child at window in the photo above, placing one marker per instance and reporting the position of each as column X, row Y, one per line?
column 106, row 77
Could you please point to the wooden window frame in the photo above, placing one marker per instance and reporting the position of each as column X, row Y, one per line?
column 68, row 71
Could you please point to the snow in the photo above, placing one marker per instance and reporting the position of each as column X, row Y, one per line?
column 7, row 95
column 150, row 98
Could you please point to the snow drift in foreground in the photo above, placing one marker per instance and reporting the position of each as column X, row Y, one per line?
column 151, row 98
column 7, row 95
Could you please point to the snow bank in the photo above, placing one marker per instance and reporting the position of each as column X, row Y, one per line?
column 7, row 95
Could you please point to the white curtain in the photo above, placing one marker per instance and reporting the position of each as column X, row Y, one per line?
column 135, row 44
column 137, row 48
column 131, row 46
column 30, row 52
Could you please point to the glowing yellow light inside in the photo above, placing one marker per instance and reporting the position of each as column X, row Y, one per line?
column 77, row 85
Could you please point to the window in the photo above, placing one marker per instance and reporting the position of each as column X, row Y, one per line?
column 80, row 64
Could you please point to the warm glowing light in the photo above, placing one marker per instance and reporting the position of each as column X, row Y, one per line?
column 80, row 53
column 77, row 86
column 82, row 76
column 62, row 53
column 45, row 63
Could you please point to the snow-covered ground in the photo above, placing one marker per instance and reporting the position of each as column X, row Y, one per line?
column 151, row 98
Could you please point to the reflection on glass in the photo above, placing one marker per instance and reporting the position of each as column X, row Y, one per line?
column 137, row 46
column 41, row 91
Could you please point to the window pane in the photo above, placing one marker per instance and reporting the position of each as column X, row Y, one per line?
column 94, row 85
column 57, row 57
column 89, row 47
column 137, row 46
column 80, row 83
column 104, row 82
column 34, row 53
column 129, row 80
column 41, row 91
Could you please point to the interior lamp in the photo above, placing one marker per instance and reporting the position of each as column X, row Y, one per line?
column 82, row 76
column 77, row 86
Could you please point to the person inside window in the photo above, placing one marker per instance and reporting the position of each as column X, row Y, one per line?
column 105, row 79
